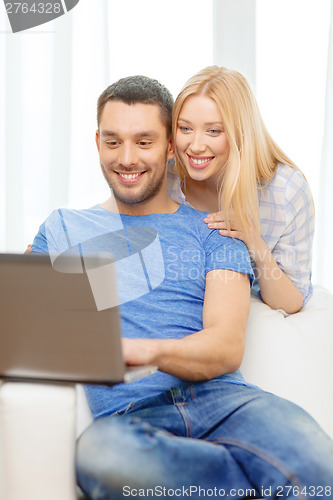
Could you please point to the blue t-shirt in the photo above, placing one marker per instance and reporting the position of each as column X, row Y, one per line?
column 162, row 261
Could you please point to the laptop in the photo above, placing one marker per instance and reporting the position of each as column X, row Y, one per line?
column 51, row 329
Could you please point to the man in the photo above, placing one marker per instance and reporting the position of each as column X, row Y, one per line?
column 195, row 427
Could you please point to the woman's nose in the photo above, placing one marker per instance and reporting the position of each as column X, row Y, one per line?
column 197, row 145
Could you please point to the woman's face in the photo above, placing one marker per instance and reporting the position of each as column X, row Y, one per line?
column 200, row 138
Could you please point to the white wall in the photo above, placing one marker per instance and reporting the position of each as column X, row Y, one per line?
column 167, row 41
column 235, row 36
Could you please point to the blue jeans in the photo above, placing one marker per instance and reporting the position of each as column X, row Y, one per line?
column 212, row 439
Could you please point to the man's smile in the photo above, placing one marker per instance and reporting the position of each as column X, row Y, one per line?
column 130, row 177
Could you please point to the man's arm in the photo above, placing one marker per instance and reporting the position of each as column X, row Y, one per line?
column 211, row 352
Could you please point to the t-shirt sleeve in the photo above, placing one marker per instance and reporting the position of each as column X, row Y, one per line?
column 40, row 244
column 293, row 251
column 223, row 252
column 46, row 240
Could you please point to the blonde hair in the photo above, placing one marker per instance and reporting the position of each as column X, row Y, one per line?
column 253, row 156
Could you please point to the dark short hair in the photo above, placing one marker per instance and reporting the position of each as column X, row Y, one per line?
column 139, row 89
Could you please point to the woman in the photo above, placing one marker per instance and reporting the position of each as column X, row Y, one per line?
column 228, row 164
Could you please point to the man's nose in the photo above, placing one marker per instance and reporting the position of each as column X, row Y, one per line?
column 198, row 144
column 128, row 156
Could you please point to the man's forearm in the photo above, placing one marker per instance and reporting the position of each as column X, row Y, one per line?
column 199, row 356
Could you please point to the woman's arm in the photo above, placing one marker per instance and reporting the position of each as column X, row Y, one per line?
column 276, row 287
column 283, row 269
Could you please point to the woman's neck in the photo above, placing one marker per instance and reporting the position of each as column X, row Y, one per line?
column 202, row 195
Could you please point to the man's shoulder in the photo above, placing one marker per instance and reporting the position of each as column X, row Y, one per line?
column 187, row 210
column 66, row 227
column 92, row 214
column 221, row 252
column 191, row 221
column 74, row 211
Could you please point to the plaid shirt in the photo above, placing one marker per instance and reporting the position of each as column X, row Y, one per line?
column 286, row 223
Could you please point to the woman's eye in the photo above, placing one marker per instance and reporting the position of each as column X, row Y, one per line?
column 185, row 130
column 214, row 131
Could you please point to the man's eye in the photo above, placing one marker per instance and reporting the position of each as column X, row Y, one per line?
column 112, row 144
column 144, row 143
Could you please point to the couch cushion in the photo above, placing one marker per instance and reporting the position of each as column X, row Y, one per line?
column 292, row 356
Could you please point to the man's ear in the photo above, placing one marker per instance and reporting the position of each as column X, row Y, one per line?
column 97, row 139
column 171, row 149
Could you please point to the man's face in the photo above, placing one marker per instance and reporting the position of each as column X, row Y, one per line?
column 134, row 149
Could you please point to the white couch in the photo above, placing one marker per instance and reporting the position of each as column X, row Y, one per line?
column 290, row 356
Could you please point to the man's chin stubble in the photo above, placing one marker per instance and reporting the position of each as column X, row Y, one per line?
column 149, row 193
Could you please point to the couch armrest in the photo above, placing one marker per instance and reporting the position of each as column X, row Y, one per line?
column 292, row 356
column 37, row 441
